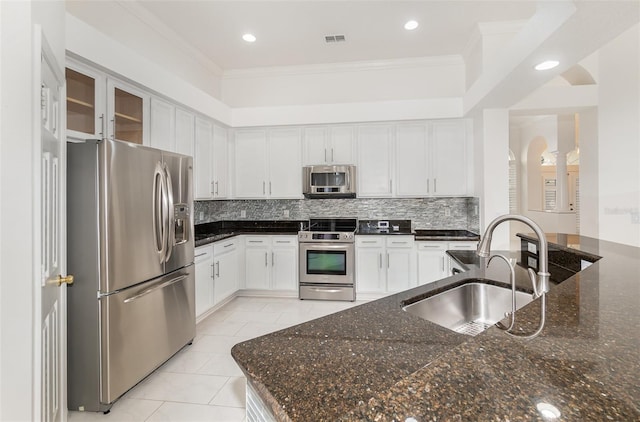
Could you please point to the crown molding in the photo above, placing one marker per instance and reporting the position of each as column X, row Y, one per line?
column 407, row 63
column 136, row 9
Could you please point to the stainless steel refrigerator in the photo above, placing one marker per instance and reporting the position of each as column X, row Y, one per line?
column 130, row 248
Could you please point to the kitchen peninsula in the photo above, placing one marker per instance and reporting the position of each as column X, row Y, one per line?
column 377, row 362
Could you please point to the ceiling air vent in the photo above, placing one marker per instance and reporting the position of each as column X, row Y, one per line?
column 334, row 38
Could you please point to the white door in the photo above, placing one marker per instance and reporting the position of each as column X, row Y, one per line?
column 251, row 164
column 50, row 223
column 315, row 146
column 341, row 145
column 374, row 161
column 162, row 125
column 203, row 174
column 285, row 166
column 449, row 158
column 412, row 165
column 220, row 162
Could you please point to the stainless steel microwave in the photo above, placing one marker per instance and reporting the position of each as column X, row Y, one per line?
column 337, row 181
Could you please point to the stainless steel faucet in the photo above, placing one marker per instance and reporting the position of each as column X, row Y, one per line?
column 541, row 284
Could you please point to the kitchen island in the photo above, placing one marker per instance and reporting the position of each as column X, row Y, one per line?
column 378, row 362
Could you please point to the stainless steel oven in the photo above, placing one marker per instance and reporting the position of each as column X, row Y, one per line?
column 327, row 260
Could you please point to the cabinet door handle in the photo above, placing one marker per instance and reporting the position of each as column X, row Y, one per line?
column 368, row 241
column 228, row 245
column 380, row 259
column 263, row 188
column 390, row 182
column 325, row 155
column 255, row 241
column 332, row 155
column 387, row 259
column 273, row 259
column 218, row 269
column 265, row 259
column 435, row 185
column 102, row 126
column 213, row 191
column 213, row 272
column 427, row 185
column 442, row 266
column 216, row 189
column 113, row 126
column 269, row 188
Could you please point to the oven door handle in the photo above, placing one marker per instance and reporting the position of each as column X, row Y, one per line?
column 325, row 290
column 327, row 246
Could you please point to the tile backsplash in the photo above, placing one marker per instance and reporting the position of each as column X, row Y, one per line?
column 425, row 213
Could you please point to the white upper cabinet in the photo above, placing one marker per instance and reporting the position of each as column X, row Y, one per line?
column 329, row 145
column 99, row 107
column 220, row 162
column 86, row 104
column 315, row 145
column 431, row 158
column 185, row 132
column 285, row 167
column 374, row 144
column 203, row 171
column 449, row 146
column 268, row 164
column 412, row 160
column 127, row 113
column 251, row 163
column 162, row 125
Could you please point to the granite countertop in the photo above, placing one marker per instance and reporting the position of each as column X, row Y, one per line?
column 212, row 232
column 377, row 362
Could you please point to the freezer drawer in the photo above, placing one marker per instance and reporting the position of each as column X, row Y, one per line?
column 142, row 327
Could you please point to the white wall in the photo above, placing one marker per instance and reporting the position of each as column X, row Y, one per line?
column 132, row 25
column 491, row 138
column 18, row 254
column 16, row 243
column 409, row 79
column 619, row 139
column 87, row 42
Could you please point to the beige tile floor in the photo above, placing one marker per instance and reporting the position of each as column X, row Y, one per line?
column 202, row 382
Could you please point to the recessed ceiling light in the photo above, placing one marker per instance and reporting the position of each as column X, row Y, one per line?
column 411, row 25
column 546, row 65
column 249, row 37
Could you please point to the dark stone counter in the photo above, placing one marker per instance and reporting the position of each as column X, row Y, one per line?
column 212, row 232
column 377, row 362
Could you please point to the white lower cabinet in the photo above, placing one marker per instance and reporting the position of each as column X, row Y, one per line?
column 433, row 263
column 385, row 264
column 271, row 263
column 225, row 269
column 204, row 278
column 216, row 268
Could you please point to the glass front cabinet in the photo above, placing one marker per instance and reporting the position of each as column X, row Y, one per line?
column 101, row 107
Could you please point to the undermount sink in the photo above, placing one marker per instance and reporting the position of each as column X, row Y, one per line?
column 468, row 309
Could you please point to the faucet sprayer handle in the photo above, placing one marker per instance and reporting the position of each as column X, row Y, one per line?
column 534, row 282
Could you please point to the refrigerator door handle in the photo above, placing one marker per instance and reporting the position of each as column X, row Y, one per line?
column 159, row 227
column 154, row 288
column 170, row 225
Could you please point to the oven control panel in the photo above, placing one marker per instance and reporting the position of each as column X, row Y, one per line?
column 308, row 236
